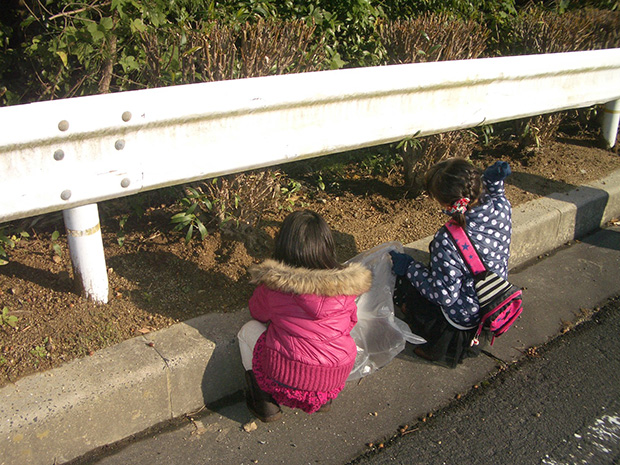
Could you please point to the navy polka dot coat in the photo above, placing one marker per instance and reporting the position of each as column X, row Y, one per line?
column 447, row 282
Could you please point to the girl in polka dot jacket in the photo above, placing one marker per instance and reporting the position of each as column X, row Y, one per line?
column 439, row 301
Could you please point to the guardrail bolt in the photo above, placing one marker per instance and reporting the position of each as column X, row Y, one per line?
column 65, row 195
column 119, row 144
column 126, row 116
column 59, row 155
column 63, row 125
column 125, row 182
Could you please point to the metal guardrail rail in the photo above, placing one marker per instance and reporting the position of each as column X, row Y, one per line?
column 70, row 154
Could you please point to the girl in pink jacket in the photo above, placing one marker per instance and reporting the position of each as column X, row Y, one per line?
column 297, row 350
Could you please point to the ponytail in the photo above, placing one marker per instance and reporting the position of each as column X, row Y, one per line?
column 457, row 183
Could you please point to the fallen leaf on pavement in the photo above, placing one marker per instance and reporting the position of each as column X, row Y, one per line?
column 249, row 427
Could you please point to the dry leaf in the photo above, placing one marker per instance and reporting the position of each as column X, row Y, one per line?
column 200, row 427
column 249, row 427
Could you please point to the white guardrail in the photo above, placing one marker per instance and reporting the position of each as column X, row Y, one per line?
column 70, row 154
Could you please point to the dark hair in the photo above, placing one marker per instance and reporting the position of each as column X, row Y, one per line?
column 305, row 240
column 453, row 179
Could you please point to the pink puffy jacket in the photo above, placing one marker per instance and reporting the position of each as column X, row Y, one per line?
column 310, row 314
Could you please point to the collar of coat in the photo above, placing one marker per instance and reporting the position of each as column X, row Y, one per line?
column 354, row 279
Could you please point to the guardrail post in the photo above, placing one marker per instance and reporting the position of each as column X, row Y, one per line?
column 86, row 249
column 611, row 119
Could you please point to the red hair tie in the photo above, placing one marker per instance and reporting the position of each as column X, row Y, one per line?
column 459, row 206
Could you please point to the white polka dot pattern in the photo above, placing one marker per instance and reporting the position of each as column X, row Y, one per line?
column 449, row 283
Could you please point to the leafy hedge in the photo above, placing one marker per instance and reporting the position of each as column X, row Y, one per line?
column 53, row 49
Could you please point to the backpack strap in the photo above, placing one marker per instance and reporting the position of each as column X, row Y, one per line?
column 465, row 247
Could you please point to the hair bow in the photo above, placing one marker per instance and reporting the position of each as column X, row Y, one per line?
column 460, row 206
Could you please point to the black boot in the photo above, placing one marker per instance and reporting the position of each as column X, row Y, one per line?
column 259, row 402
column 326, row 407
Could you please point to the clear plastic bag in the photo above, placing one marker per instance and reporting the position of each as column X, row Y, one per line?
column 378, row 334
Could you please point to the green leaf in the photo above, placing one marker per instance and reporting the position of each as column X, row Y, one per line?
column 106, row 23
column 190, row 232
column 138, row 25
column 63, row 57
column 12, row 321
column 55, row 235
column 191, row 209
column 27, row 22
column 181, row 218
column 157, row 17
column 94, row 32
column 434, row 48
column 202, row 230
column 129, row 63
column 336, row 62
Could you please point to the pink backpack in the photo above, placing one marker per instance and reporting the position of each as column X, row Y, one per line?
column 500, row 302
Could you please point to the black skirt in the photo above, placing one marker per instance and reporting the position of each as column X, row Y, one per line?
column 445, row 344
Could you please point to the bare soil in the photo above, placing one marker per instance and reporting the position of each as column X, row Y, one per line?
column 157, row 280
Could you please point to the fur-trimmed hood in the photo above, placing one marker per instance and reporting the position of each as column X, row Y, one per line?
column 354, row 279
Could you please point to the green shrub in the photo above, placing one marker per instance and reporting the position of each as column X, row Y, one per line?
column 538, row 31
column 6, row 319
column 9, row 241
column 217, row 52
column 430, row 38
column 234, row 203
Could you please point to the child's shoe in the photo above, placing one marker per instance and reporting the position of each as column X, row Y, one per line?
column 259, row 402
column 420, row 352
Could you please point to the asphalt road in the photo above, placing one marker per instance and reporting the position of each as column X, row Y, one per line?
column 559, row 406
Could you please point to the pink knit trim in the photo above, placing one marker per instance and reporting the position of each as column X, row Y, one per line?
column 308, row 401
column 303, row 376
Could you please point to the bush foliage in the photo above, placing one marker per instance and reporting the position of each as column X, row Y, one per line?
column 52, row 49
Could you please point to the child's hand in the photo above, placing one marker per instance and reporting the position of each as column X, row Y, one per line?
column 499, row 171
column 400, row 263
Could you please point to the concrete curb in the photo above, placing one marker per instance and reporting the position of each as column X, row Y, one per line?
column 61, row 414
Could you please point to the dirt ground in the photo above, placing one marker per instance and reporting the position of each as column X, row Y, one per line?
column 156, row 279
